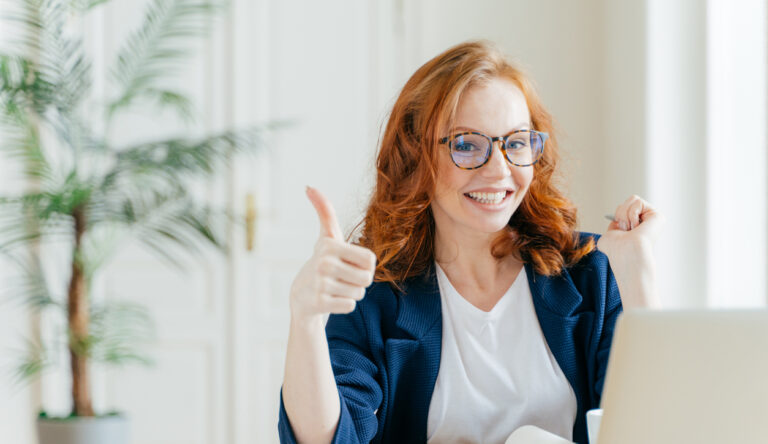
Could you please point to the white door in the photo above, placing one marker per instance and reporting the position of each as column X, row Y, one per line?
column 331, row 68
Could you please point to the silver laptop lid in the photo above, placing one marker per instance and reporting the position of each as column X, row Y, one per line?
column 687, row 377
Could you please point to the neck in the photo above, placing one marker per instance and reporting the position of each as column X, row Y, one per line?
column 467, row 258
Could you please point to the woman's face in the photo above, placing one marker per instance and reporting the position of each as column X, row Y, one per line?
column 495, row 108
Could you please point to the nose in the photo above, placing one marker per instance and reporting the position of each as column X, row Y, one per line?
column 497, row 166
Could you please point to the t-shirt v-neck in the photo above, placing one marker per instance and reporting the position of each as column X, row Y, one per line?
column 471, row 310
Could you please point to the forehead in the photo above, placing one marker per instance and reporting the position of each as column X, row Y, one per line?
column 495, row 107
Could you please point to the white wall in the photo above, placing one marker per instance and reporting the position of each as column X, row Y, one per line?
column 737, row 113
column 676, row 144
column 705, row 151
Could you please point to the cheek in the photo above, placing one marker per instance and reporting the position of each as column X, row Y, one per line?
column 449, row 179
column 523, row 177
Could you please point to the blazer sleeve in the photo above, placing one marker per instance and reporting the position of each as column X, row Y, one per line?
column 360, row 393
column 613, row 308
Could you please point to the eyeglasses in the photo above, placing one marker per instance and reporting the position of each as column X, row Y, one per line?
column 471, row 150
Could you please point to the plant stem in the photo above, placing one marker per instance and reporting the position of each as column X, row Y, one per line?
column 78, row 318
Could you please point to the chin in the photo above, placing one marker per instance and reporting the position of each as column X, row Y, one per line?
column 490, row 225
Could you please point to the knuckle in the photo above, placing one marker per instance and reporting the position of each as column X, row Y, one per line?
column 326, row 265
column 325, row 285
column 325, row 245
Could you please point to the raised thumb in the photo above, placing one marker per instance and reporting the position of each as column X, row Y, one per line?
column 329, row 226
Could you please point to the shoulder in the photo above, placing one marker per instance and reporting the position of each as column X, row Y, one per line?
column 592, row 275
column 408, row 309
column 372, row 314
column 595, row 260
column 386, row 296
column 380, row 296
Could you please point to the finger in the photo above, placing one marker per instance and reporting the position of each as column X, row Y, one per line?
column 336, row 305
column 649, row 213
column 636, row 208
column 620, row 217
column 623, row 216
column 333, row 267
column 651, row 221
column 329, row 226
column 356, row 255
column 341, row 289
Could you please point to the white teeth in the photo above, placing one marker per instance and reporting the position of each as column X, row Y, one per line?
column 489, row 198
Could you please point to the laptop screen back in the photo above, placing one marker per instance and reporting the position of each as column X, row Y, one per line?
column 687, row 377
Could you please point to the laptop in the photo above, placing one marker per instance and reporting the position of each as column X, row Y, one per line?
column 687, row 377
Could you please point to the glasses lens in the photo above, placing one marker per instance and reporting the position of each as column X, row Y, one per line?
column 469, row 150
column 524, row 148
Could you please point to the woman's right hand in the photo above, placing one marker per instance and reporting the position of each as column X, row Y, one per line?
column 337, row 274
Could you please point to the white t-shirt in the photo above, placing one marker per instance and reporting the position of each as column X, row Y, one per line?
column 496, row 371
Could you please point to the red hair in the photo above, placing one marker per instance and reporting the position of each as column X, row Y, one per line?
column 398, row 225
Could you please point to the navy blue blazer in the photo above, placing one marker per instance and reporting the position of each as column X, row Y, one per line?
column 386, row 353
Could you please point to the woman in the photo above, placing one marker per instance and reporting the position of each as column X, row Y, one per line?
column 469, row 306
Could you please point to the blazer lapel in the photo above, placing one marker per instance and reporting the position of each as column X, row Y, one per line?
column 558, row 305
column 414, row 361
column 419, row 304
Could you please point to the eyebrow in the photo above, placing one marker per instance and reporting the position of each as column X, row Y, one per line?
column 516, row 128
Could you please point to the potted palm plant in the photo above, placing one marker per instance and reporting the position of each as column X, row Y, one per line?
column 87, row 195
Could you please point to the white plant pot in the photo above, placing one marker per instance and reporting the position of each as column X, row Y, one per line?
column 111, row 429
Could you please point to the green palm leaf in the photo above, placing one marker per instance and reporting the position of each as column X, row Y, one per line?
column 118, row 331
column 173, row 160
column 57, row 68
column 33, row 360
column 155, row 50
column 30, row 287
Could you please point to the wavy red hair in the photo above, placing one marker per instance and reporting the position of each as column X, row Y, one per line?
column 398, row 225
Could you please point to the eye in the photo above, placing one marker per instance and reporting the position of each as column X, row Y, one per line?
column 516, row 144
column 464, row 146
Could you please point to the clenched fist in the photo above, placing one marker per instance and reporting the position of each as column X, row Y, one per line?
column 337, row 274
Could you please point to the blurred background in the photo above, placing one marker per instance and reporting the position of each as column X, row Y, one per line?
column 663, row 99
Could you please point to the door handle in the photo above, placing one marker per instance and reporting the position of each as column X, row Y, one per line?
column 250, row 221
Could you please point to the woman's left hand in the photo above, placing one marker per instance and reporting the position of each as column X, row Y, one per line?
column 636, row 225
column 628, row 244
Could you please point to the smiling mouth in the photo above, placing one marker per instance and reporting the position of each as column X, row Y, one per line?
column 489, row 198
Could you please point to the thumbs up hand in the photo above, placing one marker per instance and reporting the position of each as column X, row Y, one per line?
column 337, row 274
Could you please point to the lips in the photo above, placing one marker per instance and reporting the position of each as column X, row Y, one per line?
column 491, row 190
column 488, row 199
column 488, row 194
